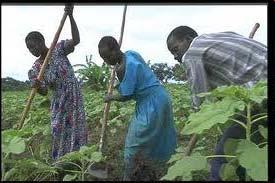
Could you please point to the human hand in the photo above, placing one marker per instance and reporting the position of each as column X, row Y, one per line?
column 37, row 83
column 69, row 8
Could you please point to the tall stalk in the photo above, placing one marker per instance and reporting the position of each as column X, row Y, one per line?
column 248, row 124
column 248, row 129
column 82, row 170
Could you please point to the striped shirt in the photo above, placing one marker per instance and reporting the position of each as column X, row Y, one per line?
column 224, row 58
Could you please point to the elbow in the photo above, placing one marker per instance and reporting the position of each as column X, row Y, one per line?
column 76, row 41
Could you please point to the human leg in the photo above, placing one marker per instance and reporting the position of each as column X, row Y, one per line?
column 236, row 132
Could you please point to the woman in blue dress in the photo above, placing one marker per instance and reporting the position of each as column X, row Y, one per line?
column 151, row 134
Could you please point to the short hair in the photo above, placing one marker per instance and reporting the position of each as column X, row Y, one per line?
column 108, row 41
column 36, row 36
column 183, row 32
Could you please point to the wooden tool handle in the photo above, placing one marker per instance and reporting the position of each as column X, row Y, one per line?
column 255, row 28
column 110, row 90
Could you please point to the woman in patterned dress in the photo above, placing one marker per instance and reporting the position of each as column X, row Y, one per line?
column 68, row 122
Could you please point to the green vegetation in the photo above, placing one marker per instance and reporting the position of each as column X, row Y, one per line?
column 227, row 105
column 10, row 84
column 26, row 152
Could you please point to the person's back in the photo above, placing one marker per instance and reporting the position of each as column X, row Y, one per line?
column 146, row 79
column 229, row 58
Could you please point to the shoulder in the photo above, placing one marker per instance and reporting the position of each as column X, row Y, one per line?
column 220, row 34
column 132, row 53
column 134, row 56
column 36, row 64
column 60, row 45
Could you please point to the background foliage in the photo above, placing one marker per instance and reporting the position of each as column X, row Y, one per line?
column 26, row 153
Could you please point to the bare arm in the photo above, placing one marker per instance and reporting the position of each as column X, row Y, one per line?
column 69, row 46
column 41, row 89
column 117, row 97
column 35, row 83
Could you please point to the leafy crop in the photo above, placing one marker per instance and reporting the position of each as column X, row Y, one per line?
column 26, row 152
column 94, row 76
column 218, row 111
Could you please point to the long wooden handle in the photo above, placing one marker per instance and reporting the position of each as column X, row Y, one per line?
column 110, row 90
column 194, row 137
column 42, row 70
column 255, row 28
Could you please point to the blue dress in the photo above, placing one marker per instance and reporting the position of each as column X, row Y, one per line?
column 151, row 130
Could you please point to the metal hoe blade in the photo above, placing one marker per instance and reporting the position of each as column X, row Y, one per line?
column 98, row 173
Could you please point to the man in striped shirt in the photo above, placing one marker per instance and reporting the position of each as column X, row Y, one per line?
column 214, row 60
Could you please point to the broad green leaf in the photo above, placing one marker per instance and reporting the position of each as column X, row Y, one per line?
column 9, row 174
column 258, row 92
column 212, row 114
column 228, row 172
column 71, row 156
column 69, row 177
column 232, row 91
column 263, row 131
column 175, row 157
column 184, row 167
column 204, row 94
column 254, row 159
column 83, row 149
column 180, row 149
column 199, row 148
column 16, row 146
column 230, row 146
column 11, row 133
column 96, row 157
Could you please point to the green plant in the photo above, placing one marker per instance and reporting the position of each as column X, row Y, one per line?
column 162, row 71
column 86, row 156
column 227, row 103
column 16, row 143
column 179, row 72
column 36, row 156
column 94, row 76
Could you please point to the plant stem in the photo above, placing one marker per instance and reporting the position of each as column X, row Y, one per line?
column 3, row 174
column 30, row 147
column 82, row 170
column 262, row 143
column 219, row 129
column 2, row 167
column 239, row 122
column 258, row 119
column 248, row 130
column 73, row 171
column 248, row 124
column 69, row 163
column 240, row 114
column 221, row 156
column 254, row 132
column 256, row 115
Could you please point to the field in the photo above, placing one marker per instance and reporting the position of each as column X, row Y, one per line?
column 31, row 146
